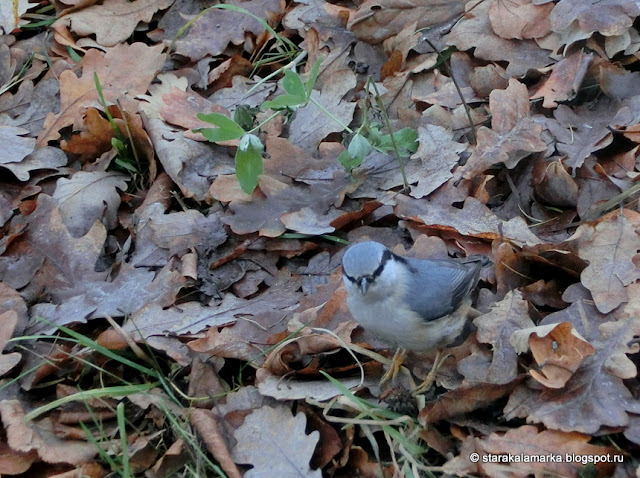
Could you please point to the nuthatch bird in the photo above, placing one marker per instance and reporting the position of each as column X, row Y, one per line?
column 414, row 304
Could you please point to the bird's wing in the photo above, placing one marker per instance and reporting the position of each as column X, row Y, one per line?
column 440, row 286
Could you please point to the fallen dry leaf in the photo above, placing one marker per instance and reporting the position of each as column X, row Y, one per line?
column 114, row 70
column 13, row 462
column 189, row 163
column 608, row 274
column 464, row 399
column 211, row 33
column 554, row 452
column 610, row 18
column 206, row 424
column 475, row 31
column 281, row 202
column 10, row 14
column 260, row 317
column 513, row 134
column 594, row 396
column 39, row 437
column 520, row 19
column 527, row 115
column 9, row 320
column 260, row 443
column 113, row 22
column 474, row 219
column 581, row 132
column 16, row 147
column 505, row 318
column 375, row 21
column 565, row 79
column 430, row 167
column 557, row 349
column 554, row 185
column 88, row 197
column 310, row 125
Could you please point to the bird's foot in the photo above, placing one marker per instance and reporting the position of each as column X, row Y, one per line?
column 431, row 376
column 394, row 368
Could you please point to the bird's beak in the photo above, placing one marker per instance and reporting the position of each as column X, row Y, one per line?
column 364, row 285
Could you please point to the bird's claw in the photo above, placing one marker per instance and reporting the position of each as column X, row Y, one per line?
column 431, row 376
column 394, row 368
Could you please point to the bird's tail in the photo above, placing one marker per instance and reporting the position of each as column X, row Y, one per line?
column 475, row 264
column 476, row 258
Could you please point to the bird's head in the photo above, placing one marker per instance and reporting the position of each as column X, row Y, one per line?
column 369, row 268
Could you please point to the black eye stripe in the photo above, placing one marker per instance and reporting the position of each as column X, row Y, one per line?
column 386, row 256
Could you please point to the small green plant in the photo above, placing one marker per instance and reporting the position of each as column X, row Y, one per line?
column 249, row 154
column 119, row 142
column 248, row 158
column 298, row 92
column 297, row 95
column 127, row 159
column 370, row 137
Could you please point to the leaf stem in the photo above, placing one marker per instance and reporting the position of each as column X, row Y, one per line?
column 391, row 135
column 325, row 111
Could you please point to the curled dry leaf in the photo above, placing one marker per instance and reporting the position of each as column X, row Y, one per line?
column 206, row 424
column 565, row 79
column 176, row 456
column 13, row 462
column 302, row 348
column 558, row 349
column 554, row 185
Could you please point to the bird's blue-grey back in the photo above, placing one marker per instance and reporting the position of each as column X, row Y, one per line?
column 440, row 286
